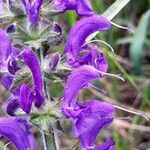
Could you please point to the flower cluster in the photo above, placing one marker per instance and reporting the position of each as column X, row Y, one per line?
column 25, row 74
column 90, row 117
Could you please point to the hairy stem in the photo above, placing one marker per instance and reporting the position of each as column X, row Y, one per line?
column 49, row 140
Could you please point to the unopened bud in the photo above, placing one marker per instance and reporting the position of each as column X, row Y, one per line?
column 54, row 62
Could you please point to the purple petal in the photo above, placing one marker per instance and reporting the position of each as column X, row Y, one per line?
column 7, row 81
column 13, row 66
column 32, row 9
column 78, row 79
column 94, row 116
column 37, row 97
column 32, row 61
column 93, row 58
column 5, row 45
column 92, row 112
column 16, row 132
column 82, row 7
column 82, row 30
column 12, row 106
column 24, row 100
column 107, row 145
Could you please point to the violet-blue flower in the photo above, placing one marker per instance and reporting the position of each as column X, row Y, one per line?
column 17, row 132
column 34, row 93
column 33, row 9
column 82, row 7
column 82, row 76
column 93, row 58
column 74, row 46
column 81, row 30
column 88, row 123
column 88, row 118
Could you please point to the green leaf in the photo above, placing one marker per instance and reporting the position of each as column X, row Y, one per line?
column 6, row 19
column 137, row 43
column 1, row 145
column 70, row 18
column 125, row 40
column 115, row 8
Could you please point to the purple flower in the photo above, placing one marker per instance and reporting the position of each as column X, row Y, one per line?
column 34, row 93
column 33, row 9
column 107, row 145
column 74, row 46
column 82, row 7
column 88, row 118
column 8, row 54
column 81, row 77
column 88, row 123
column 17, row 131
column 93, row 58
column 82, row 30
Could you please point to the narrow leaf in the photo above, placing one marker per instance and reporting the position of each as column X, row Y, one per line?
column 137, row 43
column 115, row 8
column 111, row 12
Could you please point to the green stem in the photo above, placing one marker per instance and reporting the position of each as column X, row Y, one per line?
column 49, row 141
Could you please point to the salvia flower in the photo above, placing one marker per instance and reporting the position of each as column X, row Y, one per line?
column 82, row 7
column 82, row 76
column 33, row 9
column 88, row 118
column 34, row 93
column 92, row 57
column 17, row 131
column 78, row 34
column 88, row 123
column 82, row 29
column 8, row 54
